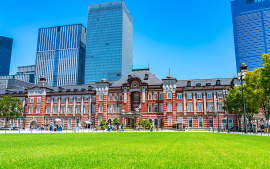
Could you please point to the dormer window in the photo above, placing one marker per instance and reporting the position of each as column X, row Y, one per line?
column 89, row 88
column 146, row 77
column 75, row 90
column 218, row 83
column 129, row 76
column 208, row 84
column 68, row 90
column 198, row 84
column 188, row 84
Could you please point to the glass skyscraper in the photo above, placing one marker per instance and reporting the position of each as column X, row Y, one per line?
column 5, row 55
column 251, row 25
column 60, row 55
column 108, row 42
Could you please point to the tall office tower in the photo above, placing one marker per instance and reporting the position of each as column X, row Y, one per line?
column 108, row 42
column 251, row 25
column 5, row 55
column 60, row 55
column 28, row 72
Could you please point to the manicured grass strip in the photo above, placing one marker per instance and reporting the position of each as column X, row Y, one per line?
column 133, row 150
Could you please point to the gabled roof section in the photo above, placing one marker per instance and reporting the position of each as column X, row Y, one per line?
column 152, row 79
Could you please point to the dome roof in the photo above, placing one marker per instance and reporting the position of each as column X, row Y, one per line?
column 103, row 80
column 243, row 65
column 169, row 77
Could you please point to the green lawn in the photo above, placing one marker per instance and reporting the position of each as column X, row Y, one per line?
column 134, row 150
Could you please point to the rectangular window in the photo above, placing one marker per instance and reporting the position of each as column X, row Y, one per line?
column 78, row 109
column 78, row 99
column 189, row 106
column 100, row 97
column 155, row 108
column 120, row 97
column 100, row 108
column 37, row 109
column 120, row 108
column 190, row 122
column 189, row 96
column 69, row 123
column 38, row 100
column 149, row 107
column 110, row 108
column 62, row 109
column 161, row 107
column 86, row 99
column 86, row 109
column 160, row 96
column 179, row 96
column 220, row 95
column 55, row 100
column 169, row 95
column 70, row 99
column 199, row 105
column 137, row 97
column 31, row 110
column 70, row 109
column 211, row 122
column 31, row 100
column 115, row 97
column 155, row 96
column 210, row 107
column 94, row 108
column 199, row 96
column 209, row 95
column 200, row 121
column 110, row 97
column 48, row 110
column 149, row 96
column 115, row 108
column 18, row 122
column 220, row 106
column 94, row 99
column 55, row 109
column 169, row 105
column 63, row 99
column 169, row 121
column 179, row 107
column 48, row 100
column 12, row 122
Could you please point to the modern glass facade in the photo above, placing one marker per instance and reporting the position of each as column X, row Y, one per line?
column 109, row 42
column 60, row 55
column 251, row 24
column 5, row 55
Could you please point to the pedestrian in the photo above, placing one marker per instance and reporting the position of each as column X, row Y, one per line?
column 122, row 127
column 151, row 128
column 117, row 127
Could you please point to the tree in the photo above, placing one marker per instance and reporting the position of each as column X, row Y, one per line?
column 235, row 103
column 10, row 108
column 102, row 124
column 144, row 123
column 265, row 81
column 115, row 120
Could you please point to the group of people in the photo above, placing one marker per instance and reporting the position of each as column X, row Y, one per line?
column 261, row 123
column 115, row 127
column 57, row 127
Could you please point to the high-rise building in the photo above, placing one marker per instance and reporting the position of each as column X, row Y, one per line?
column 60, row 55
column 5, row 55
column 108, row 42
column 251, row 25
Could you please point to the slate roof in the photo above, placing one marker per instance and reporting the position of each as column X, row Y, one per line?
column 183, row 83
column 152, row 79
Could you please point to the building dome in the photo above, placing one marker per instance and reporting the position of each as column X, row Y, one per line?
column 103, row 80
column 169, row 77
column 243, row 66
column 42, row 79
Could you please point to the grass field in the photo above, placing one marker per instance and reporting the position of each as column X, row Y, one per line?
column 134, row 150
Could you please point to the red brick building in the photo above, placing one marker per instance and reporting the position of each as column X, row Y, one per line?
column 167, row 103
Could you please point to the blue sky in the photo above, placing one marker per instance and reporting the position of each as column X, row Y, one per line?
column 193, row 38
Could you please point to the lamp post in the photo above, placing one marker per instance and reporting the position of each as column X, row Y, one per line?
column 241, row 76
column 225, row 92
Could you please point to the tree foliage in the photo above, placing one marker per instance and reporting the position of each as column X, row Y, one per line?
column 10, row 108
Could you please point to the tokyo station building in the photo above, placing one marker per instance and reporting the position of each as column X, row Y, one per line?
column 166, row 103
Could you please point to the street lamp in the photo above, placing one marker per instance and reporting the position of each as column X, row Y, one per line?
column 241, row 76
column 225, row 92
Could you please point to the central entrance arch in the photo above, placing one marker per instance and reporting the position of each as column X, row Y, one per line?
column 33, row 124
